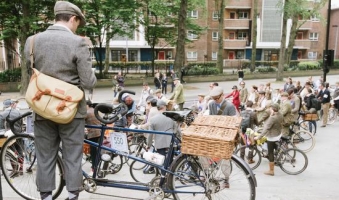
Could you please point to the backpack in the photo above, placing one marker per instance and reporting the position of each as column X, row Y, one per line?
column 246, row 119
column 316, row 104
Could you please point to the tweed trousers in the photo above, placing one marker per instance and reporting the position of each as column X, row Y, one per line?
column 48, row 136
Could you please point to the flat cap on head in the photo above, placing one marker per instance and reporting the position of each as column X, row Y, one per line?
column 158, row 91
column 275, row 107
column 65, row 7
column 8, row 102
column 284, row 94
column 216, row 91
column 161, row 103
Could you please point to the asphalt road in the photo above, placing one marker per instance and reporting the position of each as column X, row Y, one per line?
column 319, row 181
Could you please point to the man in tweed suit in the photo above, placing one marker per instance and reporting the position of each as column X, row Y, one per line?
column 178, row 95
column 59, row 53
column 243, row 93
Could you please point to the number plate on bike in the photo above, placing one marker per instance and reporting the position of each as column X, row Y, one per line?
column 119, row 141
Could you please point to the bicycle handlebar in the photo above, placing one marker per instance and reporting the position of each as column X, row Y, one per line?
column 12, row 121
column 112, row 113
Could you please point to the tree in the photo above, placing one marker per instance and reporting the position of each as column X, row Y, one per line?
column 180, row 49
column 220, row 5
column 20, row 19
column 282, row 50
column 254, row 34
column 106, row 19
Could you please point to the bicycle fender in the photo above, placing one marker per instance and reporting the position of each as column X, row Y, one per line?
column 238, row 159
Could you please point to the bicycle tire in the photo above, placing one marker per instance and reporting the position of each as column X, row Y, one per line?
column 290, row 160
column 303, row 140
column 24, row 183
column 308, row 126
column 137, row 172
column 181, row 181
column 256, row 156
column 332, row 115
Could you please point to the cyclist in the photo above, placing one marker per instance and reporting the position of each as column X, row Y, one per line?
column 285, row 110
column 272, row 130
column 325, row 97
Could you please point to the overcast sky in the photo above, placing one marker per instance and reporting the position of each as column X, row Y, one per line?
column 335, row 3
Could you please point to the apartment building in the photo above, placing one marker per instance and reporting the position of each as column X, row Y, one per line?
column 334, row 32
column 238, row 17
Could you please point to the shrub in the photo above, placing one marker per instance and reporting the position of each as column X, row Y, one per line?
column 311, row 65
column 202, row 70
column 11, row 75
column 265, row 69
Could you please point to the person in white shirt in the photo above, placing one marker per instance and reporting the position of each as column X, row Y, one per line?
column 201, row 104
column 145, row 92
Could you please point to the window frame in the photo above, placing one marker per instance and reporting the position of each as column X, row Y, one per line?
column 314, row 36
column 215, row 38
column 243, row 13
column 191, row 35
column 192, row 55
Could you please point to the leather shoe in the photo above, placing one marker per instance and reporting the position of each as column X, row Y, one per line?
column 323, row 126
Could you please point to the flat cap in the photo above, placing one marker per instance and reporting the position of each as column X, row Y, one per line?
column 234, row 87
column 261, row 92
column 158, row 91
column 275, row 106
column 216, row 91
column 284, row 94
column 202, row 95
column 65, row 7
column 161, row 103
column 8, row 102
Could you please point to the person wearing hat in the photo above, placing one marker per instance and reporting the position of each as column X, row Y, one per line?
column 60, row 53
column 145, row 92
column 261, row 104
column 243, row 93
column 11, row 111
column 324, row 96
column 178, row 94
column 236, row 97
column 285, row 110
column 220, row 106
column 272, row 131
column 160, row 122
column 160, row 95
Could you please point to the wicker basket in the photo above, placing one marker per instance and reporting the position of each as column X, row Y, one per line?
column 310, row 117
column 86, row 148
column 215, row 142
column 230, row 122
column 2, row 141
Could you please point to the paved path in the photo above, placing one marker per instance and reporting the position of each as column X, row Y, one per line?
column 318, row 181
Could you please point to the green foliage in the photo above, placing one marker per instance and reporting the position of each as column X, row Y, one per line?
column 202, row 70
column 311, row 65
column 12, row 75
column 265, row 69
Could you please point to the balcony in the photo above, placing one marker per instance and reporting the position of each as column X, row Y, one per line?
column 231, row 4
column 234, row 44
column 303, row 44
column 236, row 23
column 305, row 26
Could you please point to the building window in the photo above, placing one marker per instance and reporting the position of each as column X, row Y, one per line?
column 232, row 15
column 314, row 18
column 192, row 55
column 215, row 15
column 314, row 36
column 300, row 36
column 193, row 14
column 115, row 55
column 214, row 55
column 242, row 35
column 215, row 36
column 240, row 54
column 231, row 36
column 191, row 35
column 312, row 55
column 243, row 15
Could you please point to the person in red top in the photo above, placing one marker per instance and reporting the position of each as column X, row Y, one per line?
column 235, row 95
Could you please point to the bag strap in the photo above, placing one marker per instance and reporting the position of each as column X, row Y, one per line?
column 32, row 52
column 221, row 110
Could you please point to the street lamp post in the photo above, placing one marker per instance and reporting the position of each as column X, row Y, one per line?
column 336, row 41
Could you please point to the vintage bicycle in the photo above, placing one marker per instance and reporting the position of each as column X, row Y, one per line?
column 187, row 177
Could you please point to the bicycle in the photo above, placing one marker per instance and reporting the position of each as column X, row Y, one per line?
column 332, row 114
column 291, row 160
column 185, row 178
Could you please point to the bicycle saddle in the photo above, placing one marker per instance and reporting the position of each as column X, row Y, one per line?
column 177, row 115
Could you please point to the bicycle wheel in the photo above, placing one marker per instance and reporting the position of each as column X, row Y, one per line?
column 201, row 178
column 293, row 161
column 332, row 115
column 19, row 167
column 141, row 172
column 303, row 140
column 248, row 150
column 308, row 126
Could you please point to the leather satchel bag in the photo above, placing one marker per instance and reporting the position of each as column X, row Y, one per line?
column 52, row 98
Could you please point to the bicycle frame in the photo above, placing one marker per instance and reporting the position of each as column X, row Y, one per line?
column 132, row 185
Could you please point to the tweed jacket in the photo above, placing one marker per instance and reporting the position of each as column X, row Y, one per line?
column 243, row 95
column 178, row 94
column 272, row 127
column 286, row 112
column 160, row 122
column 63, row 55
